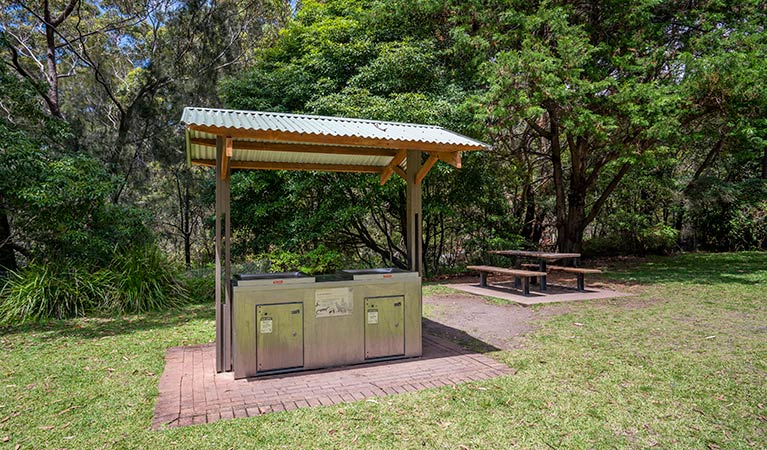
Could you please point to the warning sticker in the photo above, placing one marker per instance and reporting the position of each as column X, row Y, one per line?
column 333, row 302
column 266, row 325
column 372, row 316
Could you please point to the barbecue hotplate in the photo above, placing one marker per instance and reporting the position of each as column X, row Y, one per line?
column 272, row 278
column 374, row 274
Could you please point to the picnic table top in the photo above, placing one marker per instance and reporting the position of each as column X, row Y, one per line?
column 551, row 256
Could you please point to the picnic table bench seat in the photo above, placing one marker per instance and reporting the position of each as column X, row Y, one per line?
column 578, row 271
column 524, row 275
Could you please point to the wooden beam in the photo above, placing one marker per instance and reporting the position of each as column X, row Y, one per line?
column 398, row 170
column 425, row 168
column 301, row 148
column 389, row 169
column 259, row 165
column 204, row 162
column 292, row 137
column 225, row 157
column 452, row 158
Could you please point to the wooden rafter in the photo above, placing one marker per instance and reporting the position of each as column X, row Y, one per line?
column 300, row 148
column 399, row 171
column 259, row 165
column 425, row 168
column 389, row 169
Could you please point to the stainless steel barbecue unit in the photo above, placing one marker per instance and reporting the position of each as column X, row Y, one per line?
column 290, row 321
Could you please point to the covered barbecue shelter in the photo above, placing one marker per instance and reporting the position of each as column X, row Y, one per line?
column 230, row 140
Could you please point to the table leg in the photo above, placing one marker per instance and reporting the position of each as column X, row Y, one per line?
column 581, row 283
column 517, row 265
column 542, row 268
column 483, row 279
column 526, row 286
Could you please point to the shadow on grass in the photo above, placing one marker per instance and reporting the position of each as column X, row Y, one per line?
column 457, row 336
column 744, row 268
column 101, row 326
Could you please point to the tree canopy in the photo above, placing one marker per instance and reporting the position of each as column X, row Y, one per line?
column 616, row 128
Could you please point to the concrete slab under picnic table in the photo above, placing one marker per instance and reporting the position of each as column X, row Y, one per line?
column 191, row 392
column 554, row 293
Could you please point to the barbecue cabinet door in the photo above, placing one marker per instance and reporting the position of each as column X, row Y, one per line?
column 384, row 326
column 279, row 336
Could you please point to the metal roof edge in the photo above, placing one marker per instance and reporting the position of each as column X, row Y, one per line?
column 309, row 116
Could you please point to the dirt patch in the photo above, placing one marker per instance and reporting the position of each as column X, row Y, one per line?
column 479, row 325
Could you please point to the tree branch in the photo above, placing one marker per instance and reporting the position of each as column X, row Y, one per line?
column 597, row 206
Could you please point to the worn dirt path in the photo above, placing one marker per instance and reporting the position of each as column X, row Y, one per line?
column 477, row 324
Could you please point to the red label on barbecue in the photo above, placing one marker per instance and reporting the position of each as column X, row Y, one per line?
column 277, row 282
column 387, row 276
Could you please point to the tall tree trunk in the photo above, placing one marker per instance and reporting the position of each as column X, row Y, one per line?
column 570, row 233
column 7, row 254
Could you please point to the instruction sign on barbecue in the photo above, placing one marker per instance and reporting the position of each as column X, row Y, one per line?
column 333, row 302
column 266, row 325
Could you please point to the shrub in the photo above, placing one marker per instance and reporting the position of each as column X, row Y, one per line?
column 47, row 292
column 729, row 216
column 658, row 239
column 137, row 280
column 201, row 285
column 317, row 261
column 654, row 239
column 145, row 280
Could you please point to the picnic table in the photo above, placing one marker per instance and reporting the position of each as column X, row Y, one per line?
column 542, row 257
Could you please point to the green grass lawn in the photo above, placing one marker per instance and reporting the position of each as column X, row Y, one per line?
column 682, row 366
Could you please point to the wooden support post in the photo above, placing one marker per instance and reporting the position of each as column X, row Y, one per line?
column 223, row 260
column 225, row 157
column 228, row 307
column 219, row 258
column 414, row 233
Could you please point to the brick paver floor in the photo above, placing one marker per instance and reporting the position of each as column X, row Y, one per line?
column 191, row 392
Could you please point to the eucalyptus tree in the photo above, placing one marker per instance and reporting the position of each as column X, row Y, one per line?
column 118, row 73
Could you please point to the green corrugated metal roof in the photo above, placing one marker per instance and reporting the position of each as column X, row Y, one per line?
column 327, row 126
